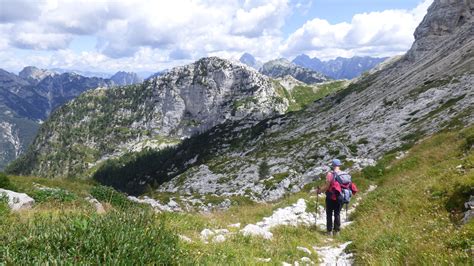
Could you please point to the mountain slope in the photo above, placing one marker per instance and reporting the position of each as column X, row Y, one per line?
column 339, row 68
column 160, row 112
column 281, row 67
column 427, row 90
column 28, row 99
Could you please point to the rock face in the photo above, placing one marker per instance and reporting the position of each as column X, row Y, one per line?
column 444, row 18
column 250, row 61
column 186, row 100
column 281, row 67
column 123, row 78
column 34, row 75
column 339, row 68
column 17, row 201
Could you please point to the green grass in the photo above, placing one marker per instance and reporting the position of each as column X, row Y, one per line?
column 301, row 96
column 413, row 216
column 115, row 238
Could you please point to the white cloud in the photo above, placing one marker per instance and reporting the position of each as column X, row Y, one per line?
column 152, row 35
column 29, row 35
column 20, row 10
column 384, row 33
column 261, row 19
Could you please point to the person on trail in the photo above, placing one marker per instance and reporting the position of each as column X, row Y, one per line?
column 333, row 201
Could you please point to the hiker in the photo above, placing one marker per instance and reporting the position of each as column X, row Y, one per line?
column 333, row 200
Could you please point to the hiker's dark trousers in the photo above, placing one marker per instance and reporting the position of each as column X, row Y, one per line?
column 333, row 206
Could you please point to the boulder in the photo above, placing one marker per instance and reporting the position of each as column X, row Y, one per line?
column 17, row 201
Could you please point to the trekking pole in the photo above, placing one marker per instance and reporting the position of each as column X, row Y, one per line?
column 317, row 207
column 347, row 218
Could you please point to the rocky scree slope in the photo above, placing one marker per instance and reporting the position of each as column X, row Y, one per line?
column 425, row 91
column 280, row 68
column 28, row 99
column 187, row 100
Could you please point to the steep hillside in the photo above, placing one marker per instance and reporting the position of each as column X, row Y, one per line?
column 281, row 67
column 339, row 68
column 427, row 90
column 160, row 112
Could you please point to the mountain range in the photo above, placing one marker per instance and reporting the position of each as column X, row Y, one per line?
column 223, row 128
column 339, row 68
column 160, row 112
column 29, row 98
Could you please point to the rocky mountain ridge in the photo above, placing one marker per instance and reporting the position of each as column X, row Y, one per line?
column 339, row 68
column 280, row 68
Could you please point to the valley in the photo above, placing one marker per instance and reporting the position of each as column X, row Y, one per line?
column 217, row 161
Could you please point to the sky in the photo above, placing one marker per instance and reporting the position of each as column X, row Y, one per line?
column 148, row 36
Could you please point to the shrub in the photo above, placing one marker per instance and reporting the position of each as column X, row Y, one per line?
column 4, row 209
column 60, row 195
column 5, row 182
column 111, row 196
column 263, row 170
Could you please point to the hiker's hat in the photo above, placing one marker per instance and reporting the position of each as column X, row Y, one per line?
column 336, row 162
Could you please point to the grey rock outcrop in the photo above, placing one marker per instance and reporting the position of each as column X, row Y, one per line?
column 282, row 67
column 469, row 214
column 17, row 201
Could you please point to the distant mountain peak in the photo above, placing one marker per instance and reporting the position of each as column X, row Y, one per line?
column 340, row 67
column 34, row 75
column 281, row 67
column 122, row 78
column 250, row 61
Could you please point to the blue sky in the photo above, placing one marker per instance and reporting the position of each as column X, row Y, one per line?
column 336, row 11
column 145, row 35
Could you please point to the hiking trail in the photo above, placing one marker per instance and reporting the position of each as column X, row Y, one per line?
column 335, row 254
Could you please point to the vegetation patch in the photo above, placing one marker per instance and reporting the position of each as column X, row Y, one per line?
column 111, row 196
column 5, row 182
column 409, row 218
column 115, row 238
column 427, row 85
column 53, row 194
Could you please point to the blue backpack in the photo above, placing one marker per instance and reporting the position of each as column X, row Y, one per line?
column 345, row 180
